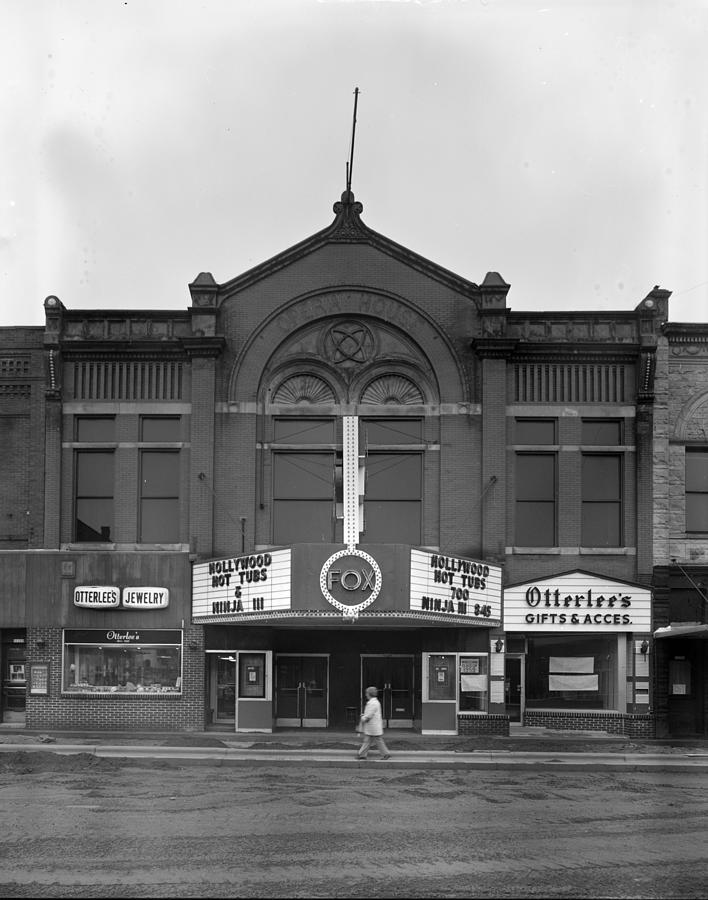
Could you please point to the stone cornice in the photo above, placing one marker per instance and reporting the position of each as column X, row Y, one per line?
column 686, row 332
column 687, row 340
column 205, row 347
column 112, row 351
column 578, row 353
column 494, row 348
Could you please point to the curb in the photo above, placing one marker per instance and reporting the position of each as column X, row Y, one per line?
column 444, row 759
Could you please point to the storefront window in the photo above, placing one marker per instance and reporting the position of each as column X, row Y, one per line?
column 442, row 676
column 122, row 662
column 474, row 683
column 572, row 673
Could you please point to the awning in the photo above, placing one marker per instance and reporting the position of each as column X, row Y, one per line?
column 690, row 630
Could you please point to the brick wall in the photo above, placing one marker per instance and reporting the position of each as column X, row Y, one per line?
column 135, row 712
column 472, row 725
column 614, row 723
column 22, row 385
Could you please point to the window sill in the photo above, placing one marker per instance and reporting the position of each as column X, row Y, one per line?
column 571, row 551
column 607, row 551
column 539, row 551
column 109, row 693
column 115, row 547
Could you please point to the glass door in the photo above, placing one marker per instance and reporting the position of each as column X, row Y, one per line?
column 301, row 691
column 513, row 687
column 393, row 675
column 14, row 680
column 225, row 689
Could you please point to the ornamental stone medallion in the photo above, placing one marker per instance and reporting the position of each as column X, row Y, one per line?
column 348, row 343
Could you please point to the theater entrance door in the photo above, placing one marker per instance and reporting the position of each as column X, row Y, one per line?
column 394, row 676
column 301, row 690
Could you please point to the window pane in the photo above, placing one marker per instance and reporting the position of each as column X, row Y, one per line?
column 95, row 428
column 697, row 512
column 161, row 428
column 473, row 683
column 601, row 431
column 601, row 525
column 94, row 474
column 122, row 670
column 572, row 673
column 251, row 675
column 302, row 521
column 160, row 474
column 394, row 476
column 601, row 477
column 442, row 677
column 535, row 525
column 159, row 521
column 535, row 476
column 94, row 519
column 303, row 475
column 392, row 521
column 697, row 470
column 535, row 431
column 304, row 431
column 393, row 431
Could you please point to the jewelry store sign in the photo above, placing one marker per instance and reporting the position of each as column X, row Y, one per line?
column 455, row 586
column 577, row 601
column 111, row 597
column 241, row 586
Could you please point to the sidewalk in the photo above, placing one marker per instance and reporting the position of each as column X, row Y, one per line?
column 526, row 748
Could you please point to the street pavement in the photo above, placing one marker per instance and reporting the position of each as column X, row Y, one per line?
column 525, row 749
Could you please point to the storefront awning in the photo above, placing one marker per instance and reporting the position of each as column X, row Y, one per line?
column 692, row 630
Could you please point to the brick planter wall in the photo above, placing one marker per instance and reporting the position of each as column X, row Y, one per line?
column 129, row 712
column 613, row 723
column 483, row 725
column 640, row 726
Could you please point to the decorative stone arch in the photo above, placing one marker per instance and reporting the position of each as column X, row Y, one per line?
column 436, row 355
column 692, row 421
column 303, row 382
column 302, row 387
column 393, row 382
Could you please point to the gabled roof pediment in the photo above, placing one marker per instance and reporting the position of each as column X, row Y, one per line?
column 348, row 228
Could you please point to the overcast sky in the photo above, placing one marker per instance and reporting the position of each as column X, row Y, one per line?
column 563, row 144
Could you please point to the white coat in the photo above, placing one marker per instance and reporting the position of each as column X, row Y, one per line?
column 371, row 717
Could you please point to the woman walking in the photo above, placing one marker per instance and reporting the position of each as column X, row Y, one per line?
column 372, row 726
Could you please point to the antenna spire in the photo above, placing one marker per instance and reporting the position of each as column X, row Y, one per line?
column 350, row 164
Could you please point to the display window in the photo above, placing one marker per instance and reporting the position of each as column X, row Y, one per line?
column 474, row 682
column 572, row 673
column 122, row 662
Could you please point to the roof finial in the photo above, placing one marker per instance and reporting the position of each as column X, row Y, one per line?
column 350, row 164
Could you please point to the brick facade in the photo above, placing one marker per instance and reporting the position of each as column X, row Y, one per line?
column 134, row 712
column 477, row 366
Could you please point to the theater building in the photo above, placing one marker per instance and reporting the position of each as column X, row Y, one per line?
column 681, row 533
column 346, row 466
